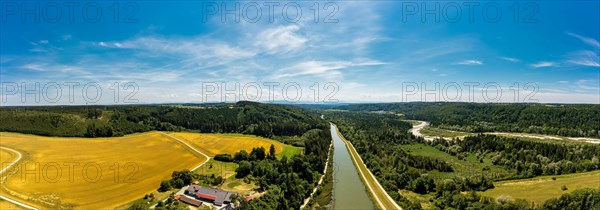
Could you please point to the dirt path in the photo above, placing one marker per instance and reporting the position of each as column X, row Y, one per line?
column 191, row 147
column 321, row 179
column 4, row 169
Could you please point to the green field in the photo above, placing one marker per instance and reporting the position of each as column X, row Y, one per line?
column 542, row 188
column 468, row 167
column 438, row 132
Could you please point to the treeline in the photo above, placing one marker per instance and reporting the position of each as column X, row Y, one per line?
column 529, row 158
column 377, row 138
column 564, row 120
column 287, row 181
column 267, row 120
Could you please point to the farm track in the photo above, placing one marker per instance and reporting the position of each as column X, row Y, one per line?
column 19, row 156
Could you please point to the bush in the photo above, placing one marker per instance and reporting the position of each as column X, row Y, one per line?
column 164, row 186
column 224, row 157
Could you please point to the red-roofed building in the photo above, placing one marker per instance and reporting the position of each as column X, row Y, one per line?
column 205, row 196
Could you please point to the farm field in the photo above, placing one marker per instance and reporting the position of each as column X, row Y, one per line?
column 542, row 188
column 6, row 157
column 83, row 173
column 5, row 205
column 213, row 144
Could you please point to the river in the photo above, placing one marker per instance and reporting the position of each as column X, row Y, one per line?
column 349, row 192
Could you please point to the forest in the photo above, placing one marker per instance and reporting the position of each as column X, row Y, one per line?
column 574, row 120
column 379, row 139
column 272, row 121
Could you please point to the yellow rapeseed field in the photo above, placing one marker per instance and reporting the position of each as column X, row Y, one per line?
column 212, row 144
column 84, row 173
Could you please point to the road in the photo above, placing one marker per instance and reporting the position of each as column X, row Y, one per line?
column 190, row 147
column 4, row 169
column 182, row 190
column 381, row 198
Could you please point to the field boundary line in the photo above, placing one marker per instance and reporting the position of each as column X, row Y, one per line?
column 191, row 147
column 8, row 166
column 356, row 157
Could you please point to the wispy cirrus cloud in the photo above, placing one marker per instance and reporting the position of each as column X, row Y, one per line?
column 514, row 60
column 584, row 58
column 324, row 69
column 281, row 39
column 590, row 41
column 543, row 64
column 470, row 62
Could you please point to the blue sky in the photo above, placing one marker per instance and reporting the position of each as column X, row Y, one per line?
column 357, row 51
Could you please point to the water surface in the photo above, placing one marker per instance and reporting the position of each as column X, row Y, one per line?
column 349, row 192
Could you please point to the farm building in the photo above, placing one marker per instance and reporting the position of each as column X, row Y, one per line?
column 188, row 200
column 216, row 196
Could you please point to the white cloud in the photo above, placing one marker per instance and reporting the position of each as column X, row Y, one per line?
column 44, row 42
column 590, row 41
column 280, row 39
column 584, row 58
column 544, row 64
column 470, row 62
column 326, row 69
column 514, row 60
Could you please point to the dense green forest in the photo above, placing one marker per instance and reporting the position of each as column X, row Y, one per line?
column 272, row 121
column 581, row 120
column 380, row 140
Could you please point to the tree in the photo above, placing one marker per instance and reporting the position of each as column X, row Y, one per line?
column 164, row 186
column 272, row 152
column 241, row 155
column 258, row 153
column 178, row 183
column 243, row 169
column 186, row 176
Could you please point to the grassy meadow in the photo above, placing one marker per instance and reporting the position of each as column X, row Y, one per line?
column 469, row 166
column 540, row 189
column 84, row 173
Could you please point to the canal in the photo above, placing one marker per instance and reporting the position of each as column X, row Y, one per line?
column 349, row 192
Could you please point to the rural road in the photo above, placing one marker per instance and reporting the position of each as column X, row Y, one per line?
column 193, row 169
column 380, row 196
column 191, row 147
column 4, row 169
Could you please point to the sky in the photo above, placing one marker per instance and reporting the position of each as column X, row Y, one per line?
column 102, row 52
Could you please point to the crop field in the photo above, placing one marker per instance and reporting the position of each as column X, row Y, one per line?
column 542, row 188
column 5, row 205
column 213, row 144
column 6, row 157
column 83, row 173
